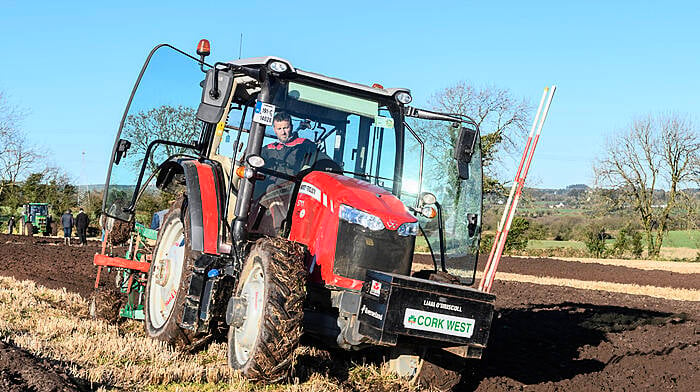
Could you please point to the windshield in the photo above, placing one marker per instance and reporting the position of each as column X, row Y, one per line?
column 163, row 109
column 459, row 201
column 38, row 210
column 329, row 131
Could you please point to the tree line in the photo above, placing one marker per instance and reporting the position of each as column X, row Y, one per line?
column 652, row 153
column 26, row 174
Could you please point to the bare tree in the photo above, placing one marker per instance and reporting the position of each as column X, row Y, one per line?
column 500, row 116
column 653, row 153
column 177, row 124
column 17, row 156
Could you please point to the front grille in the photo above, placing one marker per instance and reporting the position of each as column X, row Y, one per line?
column 359, row 249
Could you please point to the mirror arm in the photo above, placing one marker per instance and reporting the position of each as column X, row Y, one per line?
column 430, row 248
column 477, row 136
column 430, row 115
column 252, row 72
column 422, row 158
column 214, row 92
column 441, row 233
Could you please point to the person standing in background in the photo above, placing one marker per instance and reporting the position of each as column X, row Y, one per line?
column 11, row 225
column 81, row 225
column 67, row 223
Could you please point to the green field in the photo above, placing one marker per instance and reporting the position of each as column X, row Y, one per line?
column 548, row 244
column 682, row 239
column 673, row 239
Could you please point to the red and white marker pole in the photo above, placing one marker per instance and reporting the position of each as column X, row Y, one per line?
column 499, row 241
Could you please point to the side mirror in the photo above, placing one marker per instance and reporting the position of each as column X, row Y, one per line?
column 216, row 91
column 464, row 150
column 122, row 147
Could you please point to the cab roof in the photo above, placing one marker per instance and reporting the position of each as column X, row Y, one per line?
column 259, row 61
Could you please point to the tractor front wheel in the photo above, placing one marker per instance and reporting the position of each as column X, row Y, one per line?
column 168, row 279
column 266, row 312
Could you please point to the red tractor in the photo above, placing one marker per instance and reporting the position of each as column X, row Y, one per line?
column 266, row 249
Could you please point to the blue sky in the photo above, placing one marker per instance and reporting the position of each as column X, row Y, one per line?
column 72, row 64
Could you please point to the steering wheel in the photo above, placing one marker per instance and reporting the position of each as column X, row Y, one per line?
column 326, row 165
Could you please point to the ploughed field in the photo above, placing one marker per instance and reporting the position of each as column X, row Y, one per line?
column 561, row 326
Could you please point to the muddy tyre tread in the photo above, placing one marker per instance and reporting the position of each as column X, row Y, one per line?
column 282, row 321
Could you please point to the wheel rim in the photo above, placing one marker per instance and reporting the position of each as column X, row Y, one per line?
column 245, row 336
column 164, row 281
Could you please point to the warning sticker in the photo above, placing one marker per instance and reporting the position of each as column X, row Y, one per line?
column 375, row 288
column 310, row 190
column 263, row 113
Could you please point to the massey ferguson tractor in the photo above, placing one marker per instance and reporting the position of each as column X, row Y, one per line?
column 261, row 252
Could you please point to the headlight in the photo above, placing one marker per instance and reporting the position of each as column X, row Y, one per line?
column 278, row 66
column 361, row 218
column 428, row 198
column 404, row 97
column 407, row 229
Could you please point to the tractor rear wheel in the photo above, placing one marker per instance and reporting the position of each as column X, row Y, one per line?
column 28, row 229
column 169, row 278
column 266, row 312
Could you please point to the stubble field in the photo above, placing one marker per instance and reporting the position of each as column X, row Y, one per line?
column 562, row 325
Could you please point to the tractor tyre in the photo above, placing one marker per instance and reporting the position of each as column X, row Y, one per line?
column 169, row 278
column 266, row 312
column 28, row 229
column 105, row 304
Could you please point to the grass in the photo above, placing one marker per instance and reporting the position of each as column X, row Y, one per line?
column 547, row 244
column 53, row 324
column 677, row 245
column 682, row 239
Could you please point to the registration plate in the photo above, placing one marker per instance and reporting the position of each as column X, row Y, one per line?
column 439, row 323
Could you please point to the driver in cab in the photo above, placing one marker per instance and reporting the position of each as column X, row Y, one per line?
column 291, row 153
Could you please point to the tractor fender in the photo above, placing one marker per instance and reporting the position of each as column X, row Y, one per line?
column 204, row 183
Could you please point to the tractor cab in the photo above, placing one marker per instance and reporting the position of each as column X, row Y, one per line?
column 268, row 170
column 365, row 138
